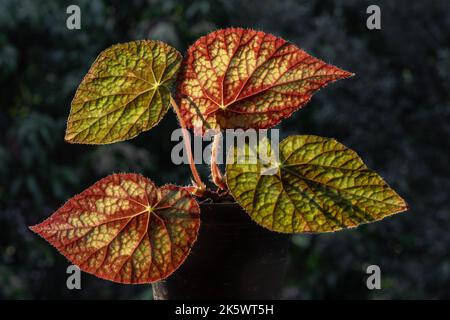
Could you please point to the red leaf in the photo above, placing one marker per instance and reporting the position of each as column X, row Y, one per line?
column 237, row 78
column 125, row 229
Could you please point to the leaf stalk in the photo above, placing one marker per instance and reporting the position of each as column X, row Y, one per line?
column 201, row 187
column 216, row 174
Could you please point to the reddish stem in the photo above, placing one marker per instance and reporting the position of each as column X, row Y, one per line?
column 187, row 142
column 216, row 175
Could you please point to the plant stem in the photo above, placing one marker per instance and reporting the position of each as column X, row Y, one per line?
column 187, row 143
column 217, row 177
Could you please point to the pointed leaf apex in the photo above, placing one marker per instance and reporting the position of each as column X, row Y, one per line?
column 243, row 78
column 109, row 231
column 125, row 92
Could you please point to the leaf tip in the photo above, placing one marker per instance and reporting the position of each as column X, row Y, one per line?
column 404, row 206
column 401, row 203
column 69, row 135
column 343, row 74
column 68, row 139
column 35, row 228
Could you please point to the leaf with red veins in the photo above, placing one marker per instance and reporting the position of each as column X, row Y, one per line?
column 125, row 229
column 239, row 78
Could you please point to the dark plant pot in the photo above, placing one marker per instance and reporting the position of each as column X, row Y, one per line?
column 233, row 258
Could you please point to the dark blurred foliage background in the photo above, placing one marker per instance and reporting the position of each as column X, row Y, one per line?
column 395, row 113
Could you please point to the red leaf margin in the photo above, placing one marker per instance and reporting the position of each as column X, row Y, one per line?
column 206, row 107
column 44, row 229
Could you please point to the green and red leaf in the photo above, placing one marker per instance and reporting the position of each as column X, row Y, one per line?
column 125, row 229
column 318, row 185
column 126, row 92
column 238, row 78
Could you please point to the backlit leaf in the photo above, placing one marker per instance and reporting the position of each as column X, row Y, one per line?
column 125, row 92
column 319, row 185
column 237, row 78
column 125, row 229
